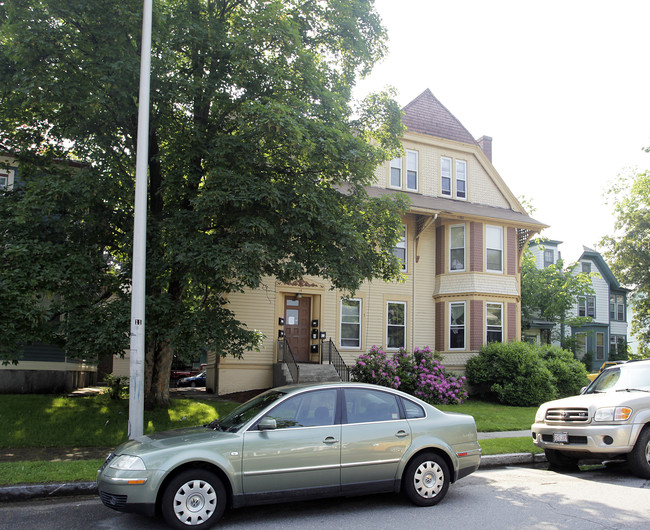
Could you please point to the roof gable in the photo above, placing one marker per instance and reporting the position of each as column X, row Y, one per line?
column 426, row 115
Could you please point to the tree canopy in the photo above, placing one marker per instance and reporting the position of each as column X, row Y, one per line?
column 628, row 250
column 551, row 292
column 258, row 159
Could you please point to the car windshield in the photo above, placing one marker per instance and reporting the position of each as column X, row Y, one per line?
column 627, row 377
column 244, row 413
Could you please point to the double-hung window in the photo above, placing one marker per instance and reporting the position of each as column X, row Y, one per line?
column 457, row 325
column 445, row 172
column 412, row 170
column 350, row 323
column 616, row 307
column 600, row 346
column 400, row 250
column 616, row 344
column 396, row 325
column 453, row 178
column 494, row 322
column 549, row 258
column 587, row 306
column 461, row 179
column 396, row 173
column 494, row 247
column 457, row 248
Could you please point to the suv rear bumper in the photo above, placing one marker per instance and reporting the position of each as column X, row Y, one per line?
column 592, row 438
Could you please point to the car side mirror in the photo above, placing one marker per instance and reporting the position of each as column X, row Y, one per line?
column 267, row 424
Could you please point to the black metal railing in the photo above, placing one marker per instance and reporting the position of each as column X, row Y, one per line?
column 286, row 356
column 329, row 354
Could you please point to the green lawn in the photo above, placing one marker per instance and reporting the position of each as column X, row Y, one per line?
column 43, row 420
column 492, row 417
column 37, row 420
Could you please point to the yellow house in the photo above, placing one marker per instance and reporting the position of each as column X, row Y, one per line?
column 464, row 235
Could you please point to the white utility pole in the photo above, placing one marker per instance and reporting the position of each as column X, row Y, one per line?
column 136, row 387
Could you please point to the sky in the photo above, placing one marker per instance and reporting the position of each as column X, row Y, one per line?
column 562, row 87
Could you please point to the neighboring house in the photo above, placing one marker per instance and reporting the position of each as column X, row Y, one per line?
column 546, row 253
column 462, row 244
column 606, row 334
column 43, row 367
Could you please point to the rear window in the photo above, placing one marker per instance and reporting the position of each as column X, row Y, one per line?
column 413, row 410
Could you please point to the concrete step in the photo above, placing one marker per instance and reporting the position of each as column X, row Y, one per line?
column 309, row 373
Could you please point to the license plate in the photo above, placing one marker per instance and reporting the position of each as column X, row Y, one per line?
column 560, row 437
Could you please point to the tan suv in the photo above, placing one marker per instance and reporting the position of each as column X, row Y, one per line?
column 609, row 420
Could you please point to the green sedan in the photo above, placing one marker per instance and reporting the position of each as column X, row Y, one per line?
column 289, row 443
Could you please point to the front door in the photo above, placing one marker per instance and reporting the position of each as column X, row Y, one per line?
column 297, row 312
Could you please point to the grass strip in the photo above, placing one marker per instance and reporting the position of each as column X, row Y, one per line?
column 500, row 446
column 42, row 472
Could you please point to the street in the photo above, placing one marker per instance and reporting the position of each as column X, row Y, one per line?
column 510, row 497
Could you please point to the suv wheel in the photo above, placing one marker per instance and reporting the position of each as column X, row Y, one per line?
column 195, row 498
column 560, row 460
column 639, row 459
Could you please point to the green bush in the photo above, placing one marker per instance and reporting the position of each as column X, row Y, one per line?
column 569, row 373
column 511, row 373
column 117, row 387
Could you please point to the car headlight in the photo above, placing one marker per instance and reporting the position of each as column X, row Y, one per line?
column 128, row 462
column 539, row 415
column 613, row 414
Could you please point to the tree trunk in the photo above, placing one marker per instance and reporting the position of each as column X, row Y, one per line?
column 157, row 367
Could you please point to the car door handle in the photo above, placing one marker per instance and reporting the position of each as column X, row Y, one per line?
column 330, row 440
column 401, row 434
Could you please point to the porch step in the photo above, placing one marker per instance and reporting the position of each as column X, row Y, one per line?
column 309, row 373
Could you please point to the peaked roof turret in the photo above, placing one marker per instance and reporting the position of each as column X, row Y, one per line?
column 426, row 115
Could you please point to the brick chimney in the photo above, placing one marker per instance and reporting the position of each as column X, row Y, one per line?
column 485, row 142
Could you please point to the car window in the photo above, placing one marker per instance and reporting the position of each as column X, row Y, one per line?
column 246, row 412
column 310, row 409
column 413, row 410
column 366, row 405
column 624, row 377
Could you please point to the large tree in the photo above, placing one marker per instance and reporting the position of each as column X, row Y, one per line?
column 257, row 165
column 628, row 250
column 550, row 294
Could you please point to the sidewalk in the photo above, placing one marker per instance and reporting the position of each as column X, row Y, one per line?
column 33, row 491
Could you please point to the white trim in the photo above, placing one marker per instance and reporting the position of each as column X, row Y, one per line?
column 395, row 163
column 410, row 169
column 450, row 176
column 489, row 228
column 403, row 326
column 403, row 244
column 464, row 326
column 457, row 180
column 456, row 248
column 487, row 325
column 349, row 347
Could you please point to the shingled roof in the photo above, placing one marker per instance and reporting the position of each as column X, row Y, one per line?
column 426, row 115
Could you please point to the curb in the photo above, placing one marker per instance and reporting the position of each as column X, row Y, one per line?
column 44, row 491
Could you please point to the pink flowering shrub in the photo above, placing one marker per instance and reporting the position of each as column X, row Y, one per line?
column 421, row 374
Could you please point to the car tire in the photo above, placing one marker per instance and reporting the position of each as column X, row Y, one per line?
column 639, row 459
column 559, row 460
column 195, row 498
column 193, row 384
column 426, row 479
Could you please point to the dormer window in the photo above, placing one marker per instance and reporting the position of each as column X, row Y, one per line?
column 453, row 178
column 396, row 173
column 412, row 172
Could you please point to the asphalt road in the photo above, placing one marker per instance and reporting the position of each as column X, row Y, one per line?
column 511, row 497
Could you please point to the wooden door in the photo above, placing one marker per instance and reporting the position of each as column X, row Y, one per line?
column 297, row 312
